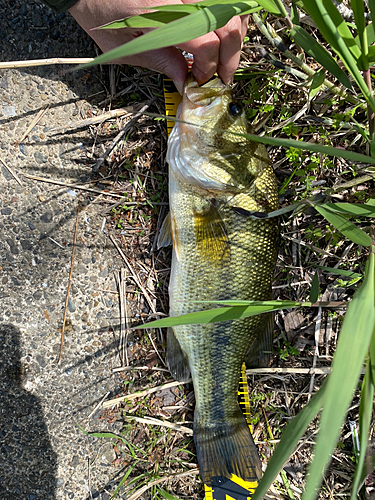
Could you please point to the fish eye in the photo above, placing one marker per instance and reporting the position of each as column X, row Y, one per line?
column 235, row 109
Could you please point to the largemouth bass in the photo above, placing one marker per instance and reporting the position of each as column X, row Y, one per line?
column 219, row 253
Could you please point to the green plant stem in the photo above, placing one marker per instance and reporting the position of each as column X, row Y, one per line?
column 276, row 41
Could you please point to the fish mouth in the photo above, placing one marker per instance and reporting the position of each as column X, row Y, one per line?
column 206, row 95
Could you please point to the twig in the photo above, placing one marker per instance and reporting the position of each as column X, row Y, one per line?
column 98, row 406
column 70, row 280
column 35, row 120
column 129, row 368
column 120, row 135
column 121, row 285
column 75, row 186
column 44, row 62
column 162, row 423
column 114, row 113
column 323, row 370
column 134, row 276
column 144, row 488
column 140, row 394
column 11, row 172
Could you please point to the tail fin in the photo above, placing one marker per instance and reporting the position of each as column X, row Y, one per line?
column 226, row 449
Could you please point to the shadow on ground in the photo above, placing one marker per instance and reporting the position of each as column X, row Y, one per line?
column 24, row 435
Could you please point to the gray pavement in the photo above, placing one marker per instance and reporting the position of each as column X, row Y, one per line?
column 43, row 453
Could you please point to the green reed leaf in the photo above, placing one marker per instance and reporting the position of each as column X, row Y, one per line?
column 347, row 228
column 365, row 414
column 179, row 31
column 320, row 54
column 352, row 347
column 341, row 272
column 360, row 22
column 289, row 440
column 338, row 35
column 357, row 209
column 314, row 292
column 240, row 310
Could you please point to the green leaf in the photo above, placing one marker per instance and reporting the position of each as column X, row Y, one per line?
column 360, row 22
column 341, row 272
column 320, row 54
column 332, row 26
column 149, row 20
column 294, row 14
column 271, row 7
column 314, row 292
column 371, row 26
column 337, row 34
column 347, row 228
column 182, row 30
column 289, row 440
column 310, row 146
column 352, row 347
column 357, row 209
column 316, row 84
column 165, row 494
column 222, row 313
column 365, row 413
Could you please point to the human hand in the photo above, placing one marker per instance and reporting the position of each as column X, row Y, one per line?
column 216, row 52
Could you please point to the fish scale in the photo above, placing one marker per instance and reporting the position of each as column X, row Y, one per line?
column 218, row 254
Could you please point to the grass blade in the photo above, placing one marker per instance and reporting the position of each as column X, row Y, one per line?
column 337, row 34
column 347, row 228
column 314, row 292
column 357, row 209
column 360, row 22
column 320, row 54
column 365, row 413
column 182, row 30
column 352, row 346
column 309, row 146
column 289, row 440
column 220, row 314
column 341, row 272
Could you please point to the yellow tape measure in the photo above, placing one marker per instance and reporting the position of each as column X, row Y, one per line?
column 172, row 99
column 235, row 488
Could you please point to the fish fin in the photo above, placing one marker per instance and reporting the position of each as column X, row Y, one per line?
column 226, row 448
column 165, row 234
column 259, row 355
column 210, row 233
column 168, row 234
column 177, row 361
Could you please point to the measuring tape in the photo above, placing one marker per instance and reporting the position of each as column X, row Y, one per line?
column 235, row 488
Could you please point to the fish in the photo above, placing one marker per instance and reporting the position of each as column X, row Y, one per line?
column 216, row 178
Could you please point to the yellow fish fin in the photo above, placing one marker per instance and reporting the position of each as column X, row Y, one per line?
column 210, row 233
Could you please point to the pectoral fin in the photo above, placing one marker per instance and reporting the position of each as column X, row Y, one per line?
column 177, row 360
column 168, row 234
column 259, row 355
column 210, row 233
column 165, row 234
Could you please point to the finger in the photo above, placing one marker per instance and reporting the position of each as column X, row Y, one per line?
column 244, row 25
column 205, row 50
column 230, row 37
